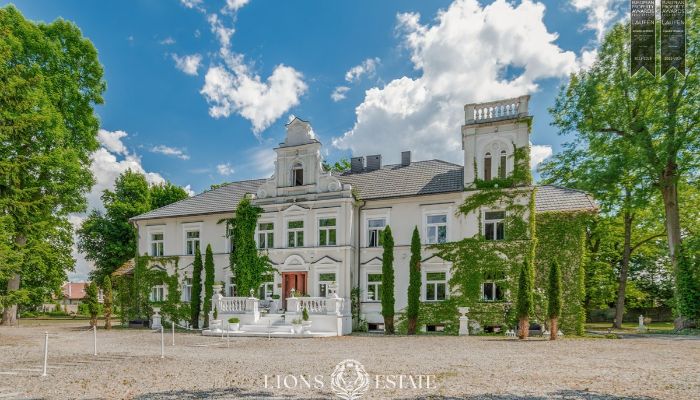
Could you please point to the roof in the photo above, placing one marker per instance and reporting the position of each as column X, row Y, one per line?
column 396, row 180
column 74, row 290
column 555, row 198
column 220, row 200
column 125, row 269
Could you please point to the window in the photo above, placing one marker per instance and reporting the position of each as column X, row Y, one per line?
column 374, row 234
column 326, row 232
column 295, row 233
column 266, row 235
column 487, row 167
column 191, row 242
column 374, row 287
column 265, row 291
column 231, row 289
column 187, row 289
column 437, row 228
column 157, row 244
column 297, row 174
column 157, row 294
column 493, row 225
column 491, row 289
column 324, row 281
column 502, row 165
column 435, row 286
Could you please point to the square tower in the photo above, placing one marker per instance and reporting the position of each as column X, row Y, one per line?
column 491, row 134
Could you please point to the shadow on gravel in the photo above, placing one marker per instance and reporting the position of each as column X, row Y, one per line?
column 561, row 394
column 223, row 393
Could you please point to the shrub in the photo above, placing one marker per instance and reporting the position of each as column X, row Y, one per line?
column 305, row 314
column 234, row 320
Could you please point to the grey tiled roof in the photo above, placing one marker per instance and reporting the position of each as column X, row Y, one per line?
column 220, row 200
column 420, row 177
column 555, row 198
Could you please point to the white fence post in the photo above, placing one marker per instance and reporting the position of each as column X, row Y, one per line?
column 94, row 336
column 46, row 351
column 162, row 342
column 172, row 324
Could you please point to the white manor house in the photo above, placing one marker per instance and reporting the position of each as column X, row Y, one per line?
column 321, row 230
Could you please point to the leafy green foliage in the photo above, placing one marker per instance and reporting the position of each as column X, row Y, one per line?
column 196, row 300
column 163, row 194
column 208, row 283
column 173, row 310
column 414, row 283
column 554, row 291
column 91, row 302
column 388, row 300
column 249, row 265
column 50, row 80
column 341, row 165
column 524, row 304
column 107, row 295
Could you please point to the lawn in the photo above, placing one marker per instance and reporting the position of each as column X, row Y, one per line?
column 631, row 327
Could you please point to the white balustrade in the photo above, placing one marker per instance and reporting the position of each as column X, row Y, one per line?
column 502, row 109
column 231, row 305
column 315, row 305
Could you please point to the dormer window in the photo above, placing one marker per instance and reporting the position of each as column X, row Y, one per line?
column 297, row 175
column 502, row 166
column 487, row 167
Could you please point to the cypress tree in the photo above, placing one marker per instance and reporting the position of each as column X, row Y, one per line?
column 414, row 283
column 525, row 300
column 208, row 283
column 554, row 299
column 196, row 300
column 107, row 289
column 92, row 303
column 388, row 281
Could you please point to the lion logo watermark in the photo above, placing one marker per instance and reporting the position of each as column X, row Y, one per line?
column 349, row 380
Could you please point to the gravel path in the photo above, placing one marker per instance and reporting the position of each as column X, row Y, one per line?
column 128, row 365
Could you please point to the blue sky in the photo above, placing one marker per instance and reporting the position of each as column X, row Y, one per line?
column 198, row 92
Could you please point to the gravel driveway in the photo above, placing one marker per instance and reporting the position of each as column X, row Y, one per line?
column 128, row 365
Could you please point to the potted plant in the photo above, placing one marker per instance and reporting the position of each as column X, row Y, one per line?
column 306, row 324
column 297, row 325
column 233, row 324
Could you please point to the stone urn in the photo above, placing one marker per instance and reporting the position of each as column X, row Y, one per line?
column 217, row 288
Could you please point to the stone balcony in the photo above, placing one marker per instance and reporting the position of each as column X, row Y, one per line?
column 479, row 113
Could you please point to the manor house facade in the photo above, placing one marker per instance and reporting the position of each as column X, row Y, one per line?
column 321, row 230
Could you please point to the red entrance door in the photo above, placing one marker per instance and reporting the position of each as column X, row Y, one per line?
column 295, row 280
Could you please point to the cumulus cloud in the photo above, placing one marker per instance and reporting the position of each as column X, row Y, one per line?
column 600, row 13
column 191, row 3
column 167, row 41
column 188, row 189
column 461, row 57
column 367, row 67
column 234, row 5
column 222, row 32
column 170, row 151
column 339, row 93
column 188, row 64
column 225, row 169
column 112, row 141
column 539, row 153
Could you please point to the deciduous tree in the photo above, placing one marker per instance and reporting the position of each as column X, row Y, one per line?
column 107, row 295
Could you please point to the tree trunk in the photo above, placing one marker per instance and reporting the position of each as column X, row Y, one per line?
column 523, row 328
column 9, row 314
column 389, row 325
column 412, row 326
column 624, row 270
column 553, row 328
column 669, row 191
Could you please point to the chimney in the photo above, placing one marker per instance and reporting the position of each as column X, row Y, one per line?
column 357, row 164
column 374, row 162
column 405, row 158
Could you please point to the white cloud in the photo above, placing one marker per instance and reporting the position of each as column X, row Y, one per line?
column 539, row 153
column 188, row 189
column 600, row 13
column 339, row 93
column 188, row 64
column 191, row 3
column 235, row 5
column 461, row 58
column 223, row 33
column 112, row 141
column 167, row 41
column 225, row 169
column 367, row 67
column 170, row 151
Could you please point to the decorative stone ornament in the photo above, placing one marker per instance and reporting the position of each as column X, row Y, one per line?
column 463, row 321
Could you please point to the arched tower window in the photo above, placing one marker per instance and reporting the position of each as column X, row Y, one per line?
column 502, row 165
column 297, row 174
column 487, row 167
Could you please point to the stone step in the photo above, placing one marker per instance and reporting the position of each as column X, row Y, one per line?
column 264, row 328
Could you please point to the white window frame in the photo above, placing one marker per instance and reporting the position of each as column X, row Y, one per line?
column 427, row 226
column 377, row 284
column 157, row 291
column 319, row 228
column 191, row 227
column 268, row 234
column 187, row 289
column 267, row 289
column 366, row 230
column 293, row 173
column 288, row 230
column 435, row 283
column 151, row 242
column 495, row 222
column 326, row 283
column 231, row 286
